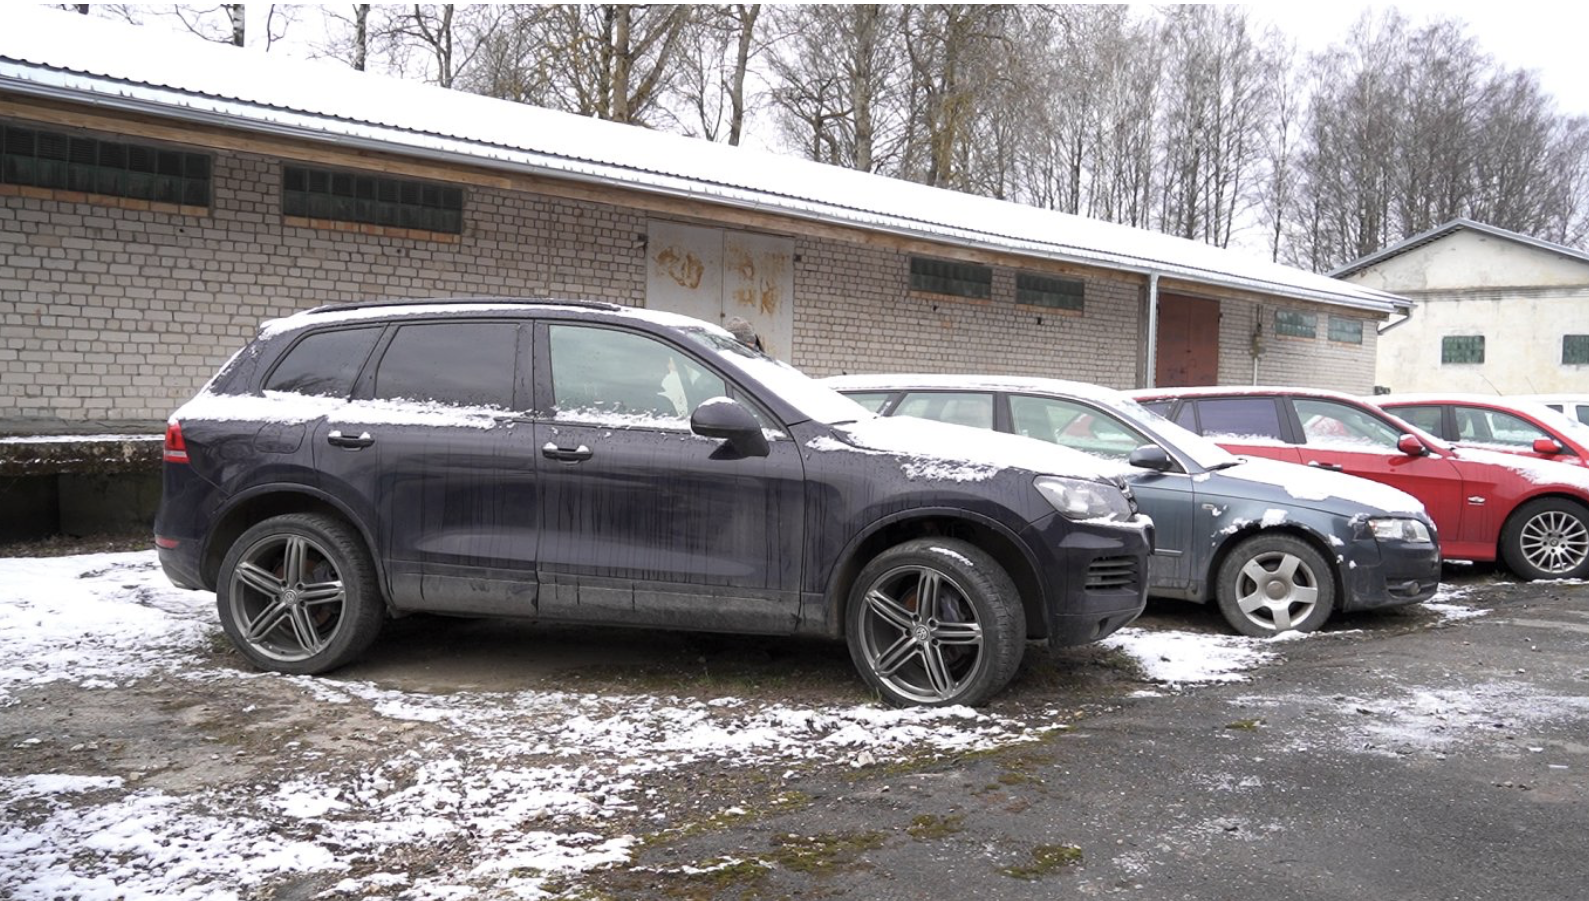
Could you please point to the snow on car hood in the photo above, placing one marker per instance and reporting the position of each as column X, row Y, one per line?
column 940, row 451
column 1308, row 483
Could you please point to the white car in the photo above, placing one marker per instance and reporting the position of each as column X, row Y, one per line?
column 1576, row 406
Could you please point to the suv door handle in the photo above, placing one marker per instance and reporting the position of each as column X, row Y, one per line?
column 568, row 455
column 335, row 438
column 1332, row 467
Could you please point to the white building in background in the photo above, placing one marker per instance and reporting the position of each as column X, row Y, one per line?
column 1497, row 312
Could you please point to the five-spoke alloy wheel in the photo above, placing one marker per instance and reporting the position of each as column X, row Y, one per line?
column 297, row 594
column 935, row 622
column 1270, row 584
column 1547, row 539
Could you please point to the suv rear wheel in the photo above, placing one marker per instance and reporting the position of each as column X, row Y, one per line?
column 935, row 622
column 297, row 594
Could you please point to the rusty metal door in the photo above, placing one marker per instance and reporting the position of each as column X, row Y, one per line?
column 1188, row 352
column 714, row 274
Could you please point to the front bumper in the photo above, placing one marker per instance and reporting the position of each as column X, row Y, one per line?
column 1378, row 574
column 1094, row 576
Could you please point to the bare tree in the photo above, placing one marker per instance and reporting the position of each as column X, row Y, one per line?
column 714, row 57
column 227, row 23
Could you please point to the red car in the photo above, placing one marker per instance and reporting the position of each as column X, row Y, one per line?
column 1532, row 514
column 1493, row 423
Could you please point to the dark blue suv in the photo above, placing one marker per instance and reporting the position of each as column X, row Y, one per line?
column 592, row 463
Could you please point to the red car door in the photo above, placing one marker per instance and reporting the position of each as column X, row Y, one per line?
column 1355, row 440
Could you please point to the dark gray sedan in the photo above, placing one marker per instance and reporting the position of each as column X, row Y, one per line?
column 1277, row 546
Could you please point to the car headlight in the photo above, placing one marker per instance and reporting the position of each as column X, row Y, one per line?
column 1399, row 530
column 1081, row 499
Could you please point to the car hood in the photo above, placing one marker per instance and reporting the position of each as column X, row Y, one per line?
column 1308, row 486
column 936, row 450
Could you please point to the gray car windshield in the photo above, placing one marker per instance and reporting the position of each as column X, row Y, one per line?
column 811, row 397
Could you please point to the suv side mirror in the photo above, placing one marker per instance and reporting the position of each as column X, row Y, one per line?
column 1411, row 446
column 724, row 418
column 1547, row 446
column 1151, row 456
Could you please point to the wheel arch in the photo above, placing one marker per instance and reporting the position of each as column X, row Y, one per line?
column 257, row 504
column 1289, row 528
column 992, row 537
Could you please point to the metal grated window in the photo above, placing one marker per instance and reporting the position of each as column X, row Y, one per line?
column 1346, row 331
column 1295, row 324
column 1462, row 349
column 1574, row 350
column 371, row 199
column 944, row 277
column 1046, row 291
column 50, row 159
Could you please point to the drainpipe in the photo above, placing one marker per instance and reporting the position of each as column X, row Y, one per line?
column 1151, row 375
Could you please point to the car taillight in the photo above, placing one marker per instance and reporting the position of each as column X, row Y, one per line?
column 176, row 448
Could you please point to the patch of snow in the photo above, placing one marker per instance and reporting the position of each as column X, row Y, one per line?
column 1182, row 658
column 1273, row 517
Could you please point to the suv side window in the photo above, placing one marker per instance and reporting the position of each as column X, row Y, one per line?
column 469, row 364
column 1241, row 417
column 1329, row 422
column 325, row 363
column 603, row 370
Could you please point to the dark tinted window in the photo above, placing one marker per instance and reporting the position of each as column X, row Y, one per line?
column 1426, row 418
column 1240, row 417
column 325, row 363
column 466, row 363
column 598, row 371
column 1161, row 407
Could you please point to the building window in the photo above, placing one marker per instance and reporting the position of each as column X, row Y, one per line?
column 1346, row 331
column 1462, row 349
column 1295, row 324
column 1574, row 350
column 944, row 277
column 315, row 193
column 1046, row 291
column 39, row 158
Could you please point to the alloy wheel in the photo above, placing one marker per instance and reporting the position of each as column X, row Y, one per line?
column 920, row 634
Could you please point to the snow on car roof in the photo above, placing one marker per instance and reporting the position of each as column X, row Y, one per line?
column 901, row 381
column 145, row 71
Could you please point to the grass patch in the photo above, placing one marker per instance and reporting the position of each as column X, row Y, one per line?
column 712, row 879
column 930, row 826
column 825, row 853
column 1245, row 725
column 1045, row 860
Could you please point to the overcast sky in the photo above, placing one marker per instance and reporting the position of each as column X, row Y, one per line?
column 1550, row 38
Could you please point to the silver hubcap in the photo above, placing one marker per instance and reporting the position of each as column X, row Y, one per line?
column 1555, row 542
column 1276, row 591
column 920, row 635
column 287, row 597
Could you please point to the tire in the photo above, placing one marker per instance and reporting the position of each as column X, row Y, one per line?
column 323, row 618
column 1273, row 583
column 963, row 651
column 1547, row 538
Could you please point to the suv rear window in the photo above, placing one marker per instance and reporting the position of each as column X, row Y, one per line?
column 325, row 363
column 470, row 364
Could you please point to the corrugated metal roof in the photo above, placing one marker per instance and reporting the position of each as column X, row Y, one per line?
column 54, row 55
column 1455, row 225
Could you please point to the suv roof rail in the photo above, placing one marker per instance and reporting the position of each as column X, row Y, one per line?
column 411, row 301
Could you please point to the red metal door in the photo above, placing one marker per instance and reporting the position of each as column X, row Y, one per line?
column 1188, row 351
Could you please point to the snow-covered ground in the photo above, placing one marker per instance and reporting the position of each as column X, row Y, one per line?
column 531, row 785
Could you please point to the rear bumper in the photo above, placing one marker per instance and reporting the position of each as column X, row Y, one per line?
column 1095, row 577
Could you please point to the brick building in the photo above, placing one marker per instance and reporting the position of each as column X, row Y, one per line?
column 160, row 196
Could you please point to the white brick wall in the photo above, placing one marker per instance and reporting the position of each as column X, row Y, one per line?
column 115, row 313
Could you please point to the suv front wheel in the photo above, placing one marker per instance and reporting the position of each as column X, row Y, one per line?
column 297, row 594
column 935, row 622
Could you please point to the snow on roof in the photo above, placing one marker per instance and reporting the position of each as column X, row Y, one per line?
column 112, row 65
column 936, row 382
column 1452, row 227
